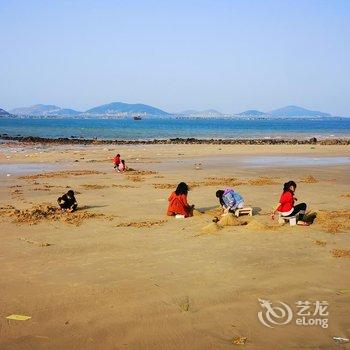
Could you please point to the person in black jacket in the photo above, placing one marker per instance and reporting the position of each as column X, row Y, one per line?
column 68, row 202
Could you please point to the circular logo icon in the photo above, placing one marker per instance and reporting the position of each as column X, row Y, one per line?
column 272, row 316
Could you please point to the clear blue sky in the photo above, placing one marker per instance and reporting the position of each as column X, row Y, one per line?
column 229, row 55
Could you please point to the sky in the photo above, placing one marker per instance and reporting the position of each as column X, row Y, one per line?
column 230, row 55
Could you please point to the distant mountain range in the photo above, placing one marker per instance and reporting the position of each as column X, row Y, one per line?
column 121, row 109
column 4, row 114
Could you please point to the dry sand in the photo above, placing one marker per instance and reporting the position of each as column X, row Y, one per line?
column 119, row 274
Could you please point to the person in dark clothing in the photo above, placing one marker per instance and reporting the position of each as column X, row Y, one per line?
column 68, row 202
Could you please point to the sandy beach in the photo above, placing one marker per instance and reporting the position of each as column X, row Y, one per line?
column 120, row 274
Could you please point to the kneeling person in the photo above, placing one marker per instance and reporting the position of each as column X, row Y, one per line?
column 68, row 202
column 230, row 200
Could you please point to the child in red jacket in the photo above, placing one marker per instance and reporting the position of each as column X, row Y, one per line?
column 116, row 161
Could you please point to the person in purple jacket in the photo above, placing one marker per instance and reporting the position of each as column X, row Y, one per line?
column 230, row 200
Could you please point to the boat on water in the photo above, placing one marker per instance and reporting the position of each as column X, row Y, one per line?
column 137, row 118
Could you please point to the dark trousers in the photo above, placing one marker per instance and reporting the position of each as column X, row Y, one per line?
column 65, row 206
column 299, row 209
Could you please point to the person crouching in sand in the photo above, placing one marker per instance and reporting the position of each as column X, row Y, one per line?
column 178, row 204
column 68, row 202
column 230, row 200
column 286, row 204
column 122, row 166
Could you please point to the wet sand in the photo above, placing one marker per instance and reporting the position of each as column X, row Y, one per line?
column 119, row 274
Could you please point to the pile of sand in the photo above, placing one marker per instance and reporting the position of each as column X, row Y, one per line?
column 256, row 225
column 347, row 195
column 141, row 224
column 93, row 186
column 262, row 180
column 6, row 209
column 340, row 253
column 137, row 175
column 319, row 242
column 135, row 178
column 39, row 244
column 309, row 179
column 46, row 212
column 98, row 161
column 41, row 189
column 334, row 221
column 140, row 172
column 124, row 186
column 61, row 174
column 222, row 181
column 211, row 228
column 216, row 181
column 239, row 340
column 17, row 194
column 164, row 186
column 185, row 304
column 229, row 220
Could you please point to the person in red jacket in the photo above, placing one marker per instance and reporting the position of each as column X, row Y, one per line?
column 286, row 205
column 116, row 161
column 178, row 202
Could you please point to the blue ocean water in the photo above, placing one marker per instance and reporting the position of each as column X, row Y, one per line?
column 146, row 129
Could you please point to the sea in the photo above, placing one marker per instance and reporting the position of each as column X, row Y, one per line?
column 149, row 129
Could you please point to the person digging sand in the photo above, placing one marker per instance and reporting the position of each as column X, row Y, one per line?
column 230, row 200
column 286, row 206
column 67, row 202
column 178, row 204
column 122, row 166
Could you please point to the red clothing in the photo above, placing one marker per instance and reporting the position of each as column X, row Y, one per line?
column 116, row 160
column 286, row 202
column 178, row 205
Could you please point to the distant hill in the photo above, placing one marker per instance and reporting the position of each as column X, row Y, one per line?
column 35, row 110
column 44, row 110
column 205, row 113
column 295, row 111
column 4, row 114
column 126, row 108
column 67, row 112
column 251, row 113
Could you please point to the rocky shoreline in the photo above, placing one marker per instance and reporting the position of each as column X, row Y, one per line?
column 73, row 140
